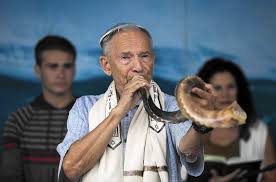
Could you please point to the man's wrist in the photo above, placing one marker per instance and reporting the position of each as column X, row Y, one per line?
column 201, row 129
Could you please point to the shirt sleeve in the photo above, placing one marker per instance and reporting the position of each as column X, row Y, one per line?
column 77, row 127
column 11, row 165
column 194, row 168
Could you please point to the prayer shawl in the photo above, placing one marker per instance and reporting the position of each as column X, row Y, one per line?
column 145, row 151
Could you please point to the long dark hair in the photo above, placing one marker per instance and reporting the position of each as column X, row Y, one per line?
column 244, row 96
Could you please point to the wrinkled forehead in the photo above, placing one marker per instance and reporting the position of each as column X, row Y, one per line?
column 130, row 42
column 131, row 37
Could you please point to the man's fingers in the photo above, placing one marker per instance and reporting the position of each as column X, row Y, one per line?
column 134, row 87
column 201, row 93
column 206, row 99
column 138, row 78
column 202, row 102
column 210, row 89
column 136, row 83
column 130, row 94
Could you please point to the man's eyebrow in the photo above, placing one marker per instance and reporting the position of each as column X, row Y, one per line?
column 57, row 64
column 125, row 53
column 50, row 64
column 145, row 52
column 60, row 63
column 68, row 63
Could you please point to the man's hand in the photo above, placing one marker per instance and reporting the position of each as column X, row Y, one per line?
column 207, row 97
column 130, row 95
column 84, row 154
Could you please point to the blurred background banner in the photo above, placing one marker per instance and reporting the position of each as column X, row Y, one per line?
column 185, row 34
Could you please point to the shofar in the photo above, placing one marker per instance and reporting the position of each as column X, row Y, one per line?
column 230, row 116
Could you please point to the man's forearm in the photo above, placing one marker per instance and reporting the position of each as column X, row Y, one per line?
column 85, row 153
column 190, row 145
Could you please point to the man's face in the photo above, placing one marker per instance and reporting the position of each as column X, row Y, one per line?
column 129, row 54
column 56, row 72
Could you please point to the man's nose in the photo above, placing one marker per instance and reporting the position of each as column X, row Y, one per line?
column 61, row 71
column 137, row 64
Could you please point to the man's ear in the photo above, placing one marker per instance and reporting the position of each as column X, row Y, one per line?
column 37, row 70
column 105, row 64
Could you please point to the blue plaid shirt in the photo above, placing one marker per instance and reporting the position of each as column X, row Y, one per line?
column 77, row 125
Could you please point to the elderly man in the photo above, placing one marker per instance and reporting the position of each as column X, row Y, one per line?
column 111, row 137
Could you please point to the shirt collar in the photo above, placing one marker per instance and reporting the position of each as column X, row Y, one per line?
column 43, row 104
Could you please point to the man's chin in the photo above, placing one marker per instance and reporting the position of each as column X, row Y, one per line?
column 59, row 92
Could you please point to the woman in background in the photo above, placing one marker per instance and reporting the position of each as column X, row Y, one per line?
column 248, row 142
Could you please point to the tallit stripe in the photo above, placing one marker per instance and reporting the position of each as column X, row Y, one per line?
column 146, row 168
column 133, row 173
column 155, row 168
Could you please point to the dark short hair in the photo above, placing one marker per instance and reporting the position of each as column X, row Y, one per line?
column 53, row 42
column 244, row 96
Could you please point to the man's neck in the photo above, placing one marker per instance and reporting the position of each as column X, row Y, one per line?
column 58, row 101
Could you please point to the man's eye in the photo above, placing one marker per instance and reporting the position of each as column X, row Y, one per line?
column 68, row 66
column 52, row 66
column 232, row 86
column 145, row 55
column 125, row 57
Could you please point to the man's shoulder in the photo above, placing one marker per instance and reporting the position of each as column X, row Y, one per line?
column 89, row 98
column 169, row 98
column 24, row 109
column 86, row 102
column 170, row 103
column 18, row 117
